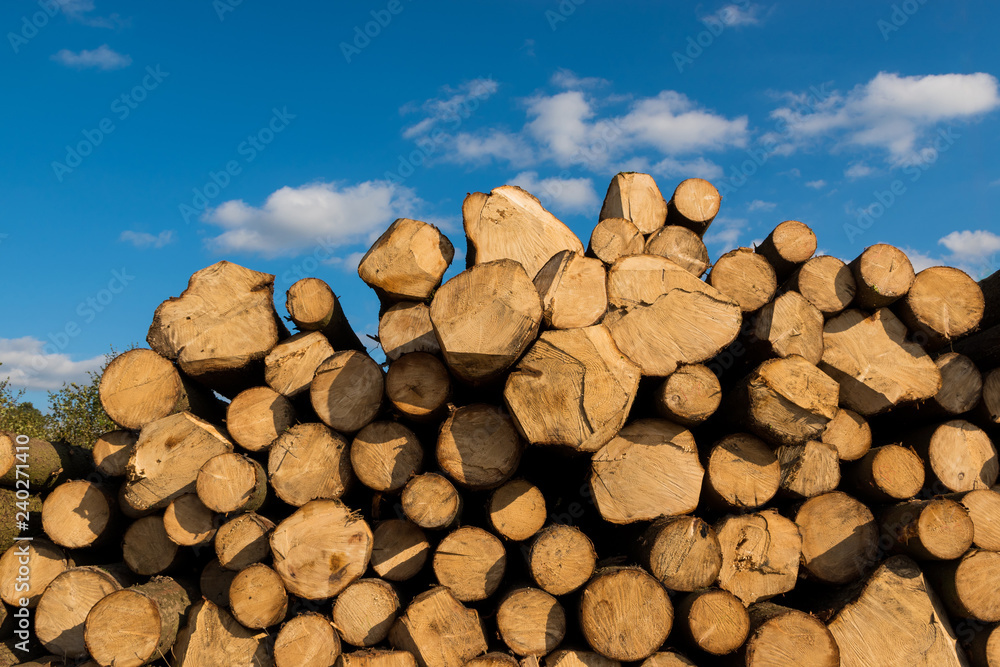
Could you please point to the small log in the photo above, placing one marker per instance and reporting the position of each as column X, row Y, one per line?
column 495, row 659
column 48, row 464
column 418, row 386
column 882, row 274
column 290, row 366
column 377, row 658
column 407, row 262
column 438, row 630
column 231, row 483
column 517, row 510
column 682, row 552
column 257, row 597
column 63, row 607
column 839, row 537
column 573, row 291
column 307, row 640
column 943, row 303
column 364, row 612
column 406, row 327
column 431, row 501
column 309, row 461
column 243, row 541
column 689, row 395
column 760, row 555
column 479, row 447
column 572, row 388
column 694, row 205
column 625, row 613
column 742, row 472
column 257, row 416
column 531, row 622
column 650, row 469
column 188, row 522
column 137, row 625
column 850, row 433
column 485, row 318
column 745, row 277
column 213, row 637
column 788, row 246
column 681, row 246
column 347, row 391
column 808, row 470
column 320, row 549
column 635, row 197
column 313, row 306
column 471, row 562
column 826, row 282
column 781, row 636
column 983, row 506
column 399, row 550
column 958, row 454
column 385, row 455
column 146, row 547
column 77, row 514
column 713, row 620
column 790, row 325
column 112, row 451
column 967, row 585
column 579, row 659
column 938, row 529
column 613, row 238
column 886, row 474
column 561, row 559
column 667, row 659
column 961, row 385
column 215, row 581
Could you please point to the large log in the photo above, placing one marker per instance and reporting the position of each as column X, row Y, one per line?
column 681, row 246
column 882, row 274
column 44, row 465
column 967, row 585
column 257, row 597
column 399, row 550
column 789, row 325
column 418, row 386
column 364, row 612
column 850, row 433
column 839, row 537
column 531, row 622
column 257, row 416
column 478, row 446
column 407, row 262
column 689, row 395
column 77, row 514
column 385, row 455
column 694, row 205
column 742, row 472
column 243, row 541
column 958, row 454
column 561, row 559
column 290, row 366
column 111, row 452
column 625, row 613
column 307, row 640
column 809, row 469
column 938, row 529
column 983, row 506
column 346, row 392
column 44, row 560
column 313, row 306
column 309, row 461
column 230, row 483
column 682, row 552
column 826, row 282
column 213, row 637
column 760, row 555
column 886, row 474
column 573, row 290
column 517, row 510
column 635, row 197
column 431, row 501
column 62, row 610
column 188, row 522
column 943, row 303
column 713, row 620
column 470, row 561
column 405, row 328
column 438, row 630
column 781, row 636
column 146, row 547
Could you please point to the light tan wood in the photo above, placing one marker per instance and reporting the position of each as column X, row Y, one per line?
column 139, row 386
column 215, row 581
column 561, row 559
column 385, row 455
column 573, row 290
column 63, row 607
column 257, row 416
column 313, row 306
column 984, row 650
column 744, row 276
column 943, row 303
column 497, row 659
column 188, row 522
column 625, row 613
column 146, row 547
column 667, row 659
column 650, row 469
column 347, row 391
column 406, row 263
column 826, row 282
column 850, row 433
column 531, row 622
column 309, row 461
column 635, row 197
column 689, row 395
column 694, row 205
column 713, row 620
column 790, row 325
column 431, row 501
column 517, row 510
column 438, row 630
column 781, row 636
column 789, row 245
column 680, row 245
column 809, row 470
column 839, row 537
column 682, row 552
column 112, row 451
column 573, row 388
column 243, row 541
column 471, row 562
column 887, row 474
column 406, row 327
column 742, row 472
column 938, row 529
column 961, row 385
column 967, row 588
column 257, row 597
column 613, row 238
column 418, row 386
column 320, row 549
column 760, row 555
column 364, row 612
column 290, row 366
column 231, row 482
column 478, row 446
column 883, row 274
column 77, row 514
column 983, row 506
column 579, row 659
column 378, row 658
column 307, row 640
column 399, row 550
column 213, row 637
column 958, row 454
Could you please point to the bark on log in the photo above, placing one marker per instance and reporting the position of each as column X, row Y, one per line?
column 886, row 474
column 681, row 246
column 15, row 513
column 385, row 455
column 635, row 197
column 573, row 291
column 405, row 328
column 290, row 366
column 713, row 620
column 625, row 613
column 188, row 522
column 531, row 622
column 399, row 550
column 742, row 472
column 789, row 245
column 694, row 205
column 826, row 282
column 307, row 640
column 257, row 597
column 689, row 395
column 760, row 555
column 418, row 386
column 243, row 541
column 682, row 552
column 307, row 462
column 839, row 537
column 938, row 529
column 438, row 630
column 49, row 464
column 471, row 562
column 77, row 514
column 112, row 451
column 313, row 306
column 517, row 510
column 63, row 607
column 364, row 612
column 745, row 277
column 213, row 637
column 407, row 262
column 230, row 483
column 478, row 446
column 561, row 559
column 613, row 238
column 347, row 391
column 431, row 501
column 943, row 303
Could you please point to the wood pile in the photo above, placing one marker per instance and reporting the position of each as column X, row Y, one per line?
column 571, row 456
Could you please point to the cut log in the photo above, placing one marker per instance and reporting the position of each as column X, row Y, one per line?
column 213, row 637
column 243, row 541
column 943, row 303
column 313, row 306
column 220, row 328
column 938, row 529
column 399, row 550
column 46, row 464
column 625, row 614
column 531, row 622
column 471, row 562
column 694, row 205
column 958, row 454
column 309, row 461
column 405, row 328
column 407, row 262
column 431, row 501
column 485, row 318
column 682, row 552
column 579, row 659
column 146, row 547
column 635, row 197
column 561, row 559
column 215, row 581
column 257, row 597
column 789, row 325
column 320, row 549
column 479, row 447
column 882, row 275
column 573, row 388
column 745, row 277
column 137, row 625
column 112, row 451
column 517, row 510
column 63, row 607
column 45, row 562
column 826, row 282
column 781, row 636
column 385, row 455
column 713, row 620
column 438, row 630
column 19, row 517
column 347, row 391
column 290, row 366
column 786, row 401
column 379, row 659
column 307, row 640
column 188, row 522
column 666, row 659
column 167, row 458
column 985, row 648
column 497, row 659
column 681, row 246
column 689, row 395
column 650, row 469
column 365, row 611
column 573, row 291
column 789, row 245
column 961, row 385
column 128, row 508
column 967, row 585
column 809, row 470
column 983, row 506
column 418, row 386
column 77, row 514
column 760, row 555
column 257, row 416
column 887, row 474
column 742, row 472
column 231, row 483
column 839, row 537
column 850, row 433
column 613, row 238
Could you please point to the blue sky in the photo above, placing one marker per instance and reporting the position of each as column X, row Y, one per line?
column 144, row 141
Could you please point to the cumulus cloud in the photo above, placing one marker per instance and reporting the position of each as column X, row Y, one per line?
column 761, row 205
column 147, row 240
column 858, row 170
column 725, row 234
column 736, row 15
column 569, row 195
column 32, row 364
column 564, row 78
column 103, row 57
column 818, row 184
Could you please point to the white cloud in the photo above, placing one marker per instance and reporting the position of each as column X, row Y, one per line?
column 33, row 364
column 858, row 170
column 146, row 240
column 725, row 233
column 80, row 11
column 564, row 78
column 974, row 251
column 293, row 219
column 920, row 260
column 103, row 57
column 672, row 123
column 451, row 108
column 760, row 205
column 570, row 195
column 818, row 184
column 495, row 144
column 696, row 168
column 733, row 15
column 995, row 183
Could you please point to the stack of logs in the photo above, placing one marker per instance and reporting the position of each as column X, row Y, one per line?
column 570, row 456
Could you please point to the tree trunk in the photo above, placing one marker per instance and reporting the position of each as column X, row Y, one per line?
column 782, row 636
column 365, row 611
column 438, row 630
column 307, row 640
column 745, row 277
column 347, row 391
column 742, row 472
column 405, row 328
column 760, row 555
column 45, row 561
column 625, row 614
column 689, row 395
column 808, row 470
column 112, row 451
column 613, row 238
column 886, row 474
column 230, row 483
column 313, row 306
column 290, row 366
column 188, row 522
column 517, row 510
column 213, row 637
column 635, row 197
column 882, row 275
column 839, row 537
column 63, row 607
column 938, row 529
column 573, row 291
column 850, row 433
column 399, row 550
column 407, row 262
column 787, row 247
column 681, row 246
column 826, row 282
column 77, row 514
column 385, row 455
column 257, row 597
column 309, row 461
column 146, row 547
column 694, row 205
column 943, row 304
column 713, row 620
column 957, row 454
column 682, row 552
column 531, row 622
column 431, row 501
column 479, row 447
column 418, row 386
column 471, row 562
column 561, row 559
column 243, row 541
